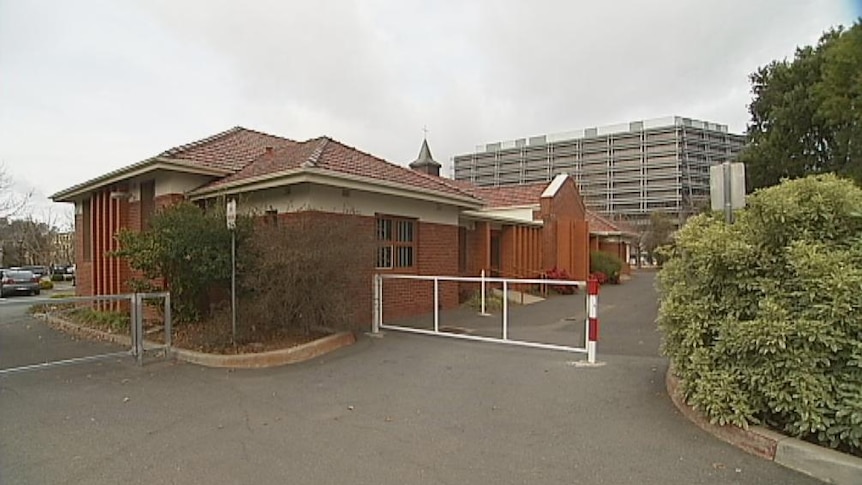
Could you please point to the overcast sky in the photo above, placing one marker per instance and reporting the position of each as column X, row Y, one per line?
column 89, row 86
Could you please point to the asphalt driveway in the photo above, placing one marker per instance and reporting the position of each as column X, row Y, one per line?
column 399, row 409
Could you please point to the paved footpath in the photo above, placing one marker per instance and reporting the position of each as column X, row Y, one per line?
column 396, row 410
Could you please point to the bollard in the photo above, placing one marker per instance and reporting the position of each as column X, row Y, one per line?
column 592, row 319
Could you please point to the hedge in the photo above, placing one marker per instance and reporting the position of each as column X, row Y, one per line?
column 763, row 318
column 607, row 264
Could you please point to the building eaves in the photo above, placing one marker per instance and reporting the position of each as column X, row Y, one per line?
column 140, row 168
column 218, row 155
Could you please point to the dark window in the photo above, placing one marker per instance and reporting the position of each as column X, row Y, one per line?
column 396, row 242
column 86, row 231
column 271, row 217
column 148, row 203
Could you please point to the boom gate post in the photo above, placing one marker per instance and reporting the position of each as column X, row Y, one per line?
column 592, row 318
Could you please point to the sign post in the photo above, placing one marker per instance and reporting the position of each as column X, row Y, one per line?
column 230, row 211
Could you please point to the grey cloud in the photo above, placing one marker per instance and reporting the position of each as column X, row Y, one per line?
column 91, row 86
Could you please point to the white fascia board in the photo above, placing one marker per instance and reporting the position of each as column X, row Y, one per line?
column 333, row 179
column 132, row 171
column 554, row 186
column 483, row 216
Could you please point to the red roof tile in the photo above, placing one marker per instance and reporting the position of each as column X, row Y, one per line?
column 327, row 154
column 229, row 150
column 601, row 224
column 506, row 195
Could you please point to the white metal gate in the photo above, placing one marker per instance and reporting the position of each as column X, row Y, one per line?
column 590, row 323
column 25, row 314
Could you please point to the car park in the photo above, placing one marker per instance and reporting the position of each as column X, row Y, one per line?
column 18, row 282
column 38, row 271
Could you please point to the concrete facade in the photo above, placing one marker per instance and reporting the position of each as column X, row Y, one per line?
column 627, row 170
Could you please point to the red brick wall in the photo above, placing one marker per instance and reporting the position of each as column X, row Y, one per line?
column 565, row 233
column 478, row 248
column 437, row 255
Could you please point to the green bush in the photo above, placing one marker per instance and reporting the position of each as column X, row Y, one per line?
column 46, row 285
column 57, row 277
column 493, row 302
column 189, row 248
column 103, row 319
column 608, row 264
column 762, row 318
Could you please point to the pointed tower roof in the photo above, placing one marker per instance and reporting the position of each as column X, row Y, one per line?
column 425, row 161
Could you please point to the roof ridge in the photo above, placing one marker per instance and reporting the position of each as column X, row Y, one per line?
column 203, row 141
column 312, row 159
column 437, row 179
column 197, row 143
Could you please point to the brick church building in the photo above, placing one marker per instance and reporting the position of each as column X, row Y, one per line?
column 424, row 224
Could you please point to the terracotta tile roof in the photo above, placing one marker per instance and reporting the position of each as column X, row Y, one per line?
column 328, row 154
column 601, row 224
column 229, row 150
column 506, row 195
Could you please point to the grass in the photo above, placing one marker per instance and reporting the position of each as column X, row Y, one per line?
column 492, row 302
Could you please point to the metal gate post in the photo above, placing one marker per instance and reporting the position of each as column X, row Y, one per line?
column 375, row 303
column 133, row 327
column 505, row 311
column 436, row 305
column 139, row 327
column 168, row 325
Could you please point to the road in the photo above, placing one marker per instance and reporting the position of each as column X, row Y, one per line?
column 392, row 410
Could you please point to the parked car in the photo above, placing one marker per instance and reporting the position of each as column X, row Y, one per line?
column 16, row 282
column 39, row 271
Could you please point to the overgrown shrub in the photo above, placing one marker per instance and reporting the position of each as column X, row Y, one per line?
column 762, row 318
column 189, row 248
column 307, row 272
column 46, row 285
column 608, row 264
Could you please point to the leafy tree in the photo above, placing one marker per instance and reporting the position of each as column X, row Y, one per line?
column 657, row 233
column 761, row 318
column 806, row 115
column 189, row 249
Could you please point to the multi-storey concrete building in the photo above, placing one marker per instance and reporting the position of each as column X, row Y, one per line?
column 627, row 170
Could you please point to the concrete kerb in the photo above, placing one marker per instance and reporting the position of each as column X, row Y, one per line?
column 272, row 358
column 822, row 463
column 258, row 360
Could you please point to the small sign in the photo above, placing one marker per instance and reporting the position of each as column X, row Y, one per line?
column 735, row 188
column 231, row 214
